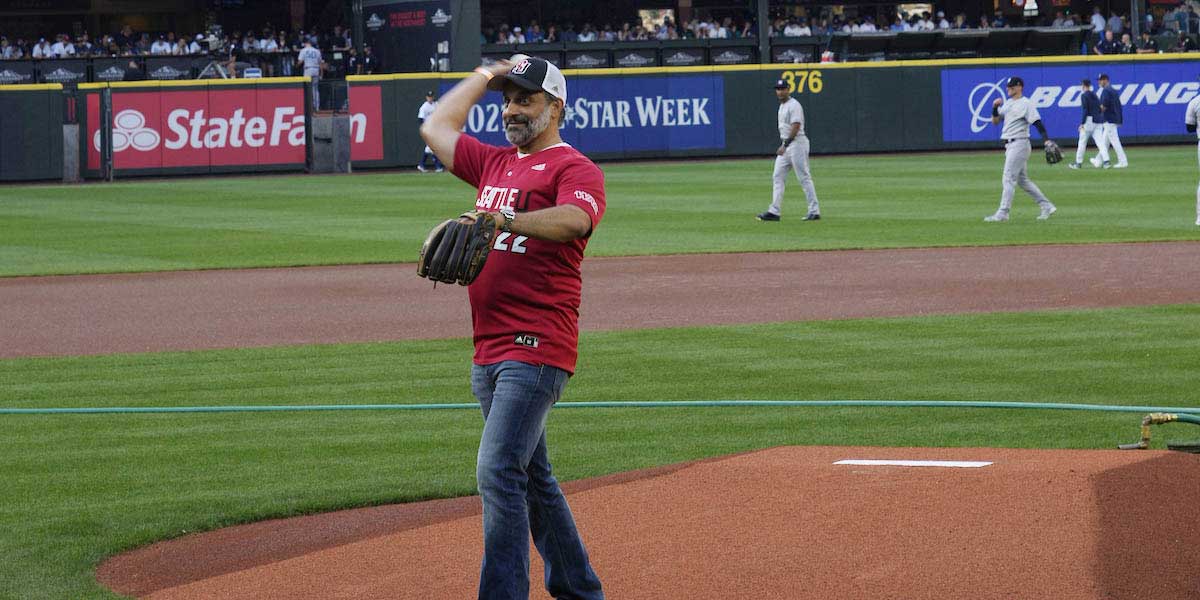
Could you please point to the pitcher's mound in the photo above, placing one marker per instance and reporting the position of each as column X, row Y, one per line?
column 790, row 522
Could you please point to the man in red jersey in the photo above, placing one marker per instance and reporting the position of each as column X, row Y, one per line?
column 525, row 310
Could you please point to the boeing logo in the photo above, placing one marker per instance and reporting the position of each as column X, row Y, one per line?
column 979, row 101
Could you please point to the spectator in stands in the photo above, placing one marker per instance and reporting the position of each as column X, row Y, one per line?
column 960, row 21
column 268, row 44
column 84, row 46
column 1126, row 45
column 868, row 25
column 1185, row 43
column 160, row 46
column 193, row 45
column 1147, row 45
column 125, row 37
column 142, row 47
column 535, row 35
column 998, row 20
column 516, row 36
column 792, row 29
column 1098, row 22
column 341, row 39
column 745, row 31
column 1115, row 23
column 983, row 22
column 1106, row 45
column 370, row 62
column 942, row 23
column 62, row 46
column 587, row 34
column 568, row 33
column 1059, row 20
column 897, row 24
column 41, row 49
column 250, row 43
column 552, row 34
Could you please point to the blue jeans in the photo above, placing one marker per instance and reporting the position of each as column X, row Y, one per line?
column 519, row 493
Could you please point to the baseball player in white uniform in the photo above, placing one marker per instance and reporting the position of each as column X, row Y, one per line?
column 1018, row 113
column 310, row 57
column 791, row 155
column 1191, row 119
column 423, row 114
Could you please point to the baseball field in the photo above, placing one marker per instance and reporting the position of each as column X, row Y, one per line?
column 900, row 292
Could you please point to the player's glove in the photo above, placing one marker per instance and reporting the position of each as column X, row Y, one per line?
column 455, row 251
column 1053, row 152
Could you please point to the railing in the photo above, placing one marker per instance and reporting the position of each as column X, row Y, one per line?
column 73, row 71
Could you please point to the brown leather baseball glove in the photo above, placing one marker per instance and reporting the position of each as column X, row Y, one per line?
column 456, row 250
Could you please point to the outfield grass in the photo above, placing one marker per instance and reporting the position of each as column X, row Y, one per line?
column 654, row 208
column 81, row 487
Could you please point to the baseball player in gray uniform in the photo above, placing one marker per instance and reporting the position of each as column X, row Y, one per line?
column 1018, row 113
column 310, row 57
column 791, row 155
column 1191, row 119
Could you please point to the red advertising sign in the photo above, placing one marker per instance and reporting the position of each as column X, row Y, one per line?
column 198, row 127
column 366, row 123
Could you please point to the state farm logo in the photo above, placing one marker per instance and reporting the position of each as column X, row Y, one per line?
column 440, row 18
column 374, row 23
column 191, row 129
column 129, row 129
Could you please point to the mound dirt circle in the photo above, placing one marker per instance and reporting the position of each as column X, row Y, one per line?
column 786, row 522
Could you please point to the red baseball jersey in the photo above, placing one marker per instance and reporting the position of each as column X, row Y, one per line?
column 525, row 303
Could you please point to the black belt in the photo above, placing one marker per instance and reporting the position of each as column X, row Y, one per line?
column 1009, row 141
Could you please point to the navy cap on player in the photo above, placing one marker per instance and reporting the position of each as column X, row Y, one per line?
column 780, row 84
column 1015, row 81
column 1103, row 77
column 534, row 74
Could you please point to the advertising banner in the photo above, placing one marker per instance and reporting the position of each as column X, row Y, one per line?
column 16, row 71
column 1153, row 97
column 626, row 114
column 412, row 35
column 67, row 71
column 116, row 69
column 198, row 127
column 366, row 122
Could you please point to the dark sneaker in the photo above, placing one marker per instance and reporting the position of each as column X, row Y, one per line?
column 812, row 217
column 767, row 216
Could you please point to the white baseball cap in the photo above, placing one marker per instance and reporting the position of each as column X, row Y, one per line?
column 534, row 74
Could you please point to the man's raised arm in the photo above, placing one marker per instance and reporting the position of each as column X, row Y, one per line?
column 441, row 130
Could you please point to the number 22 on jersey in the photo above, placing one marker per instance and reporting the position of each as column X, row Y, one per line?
column 517, row 246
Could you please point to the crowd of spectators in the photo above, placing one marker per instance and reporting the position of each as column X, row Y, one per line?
column 272, row 50
column 129, row 43
column 1182, row 19
column 533, row 33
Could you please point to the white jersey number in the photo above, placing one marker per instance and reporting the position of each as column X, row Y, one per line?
column 518, row 242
